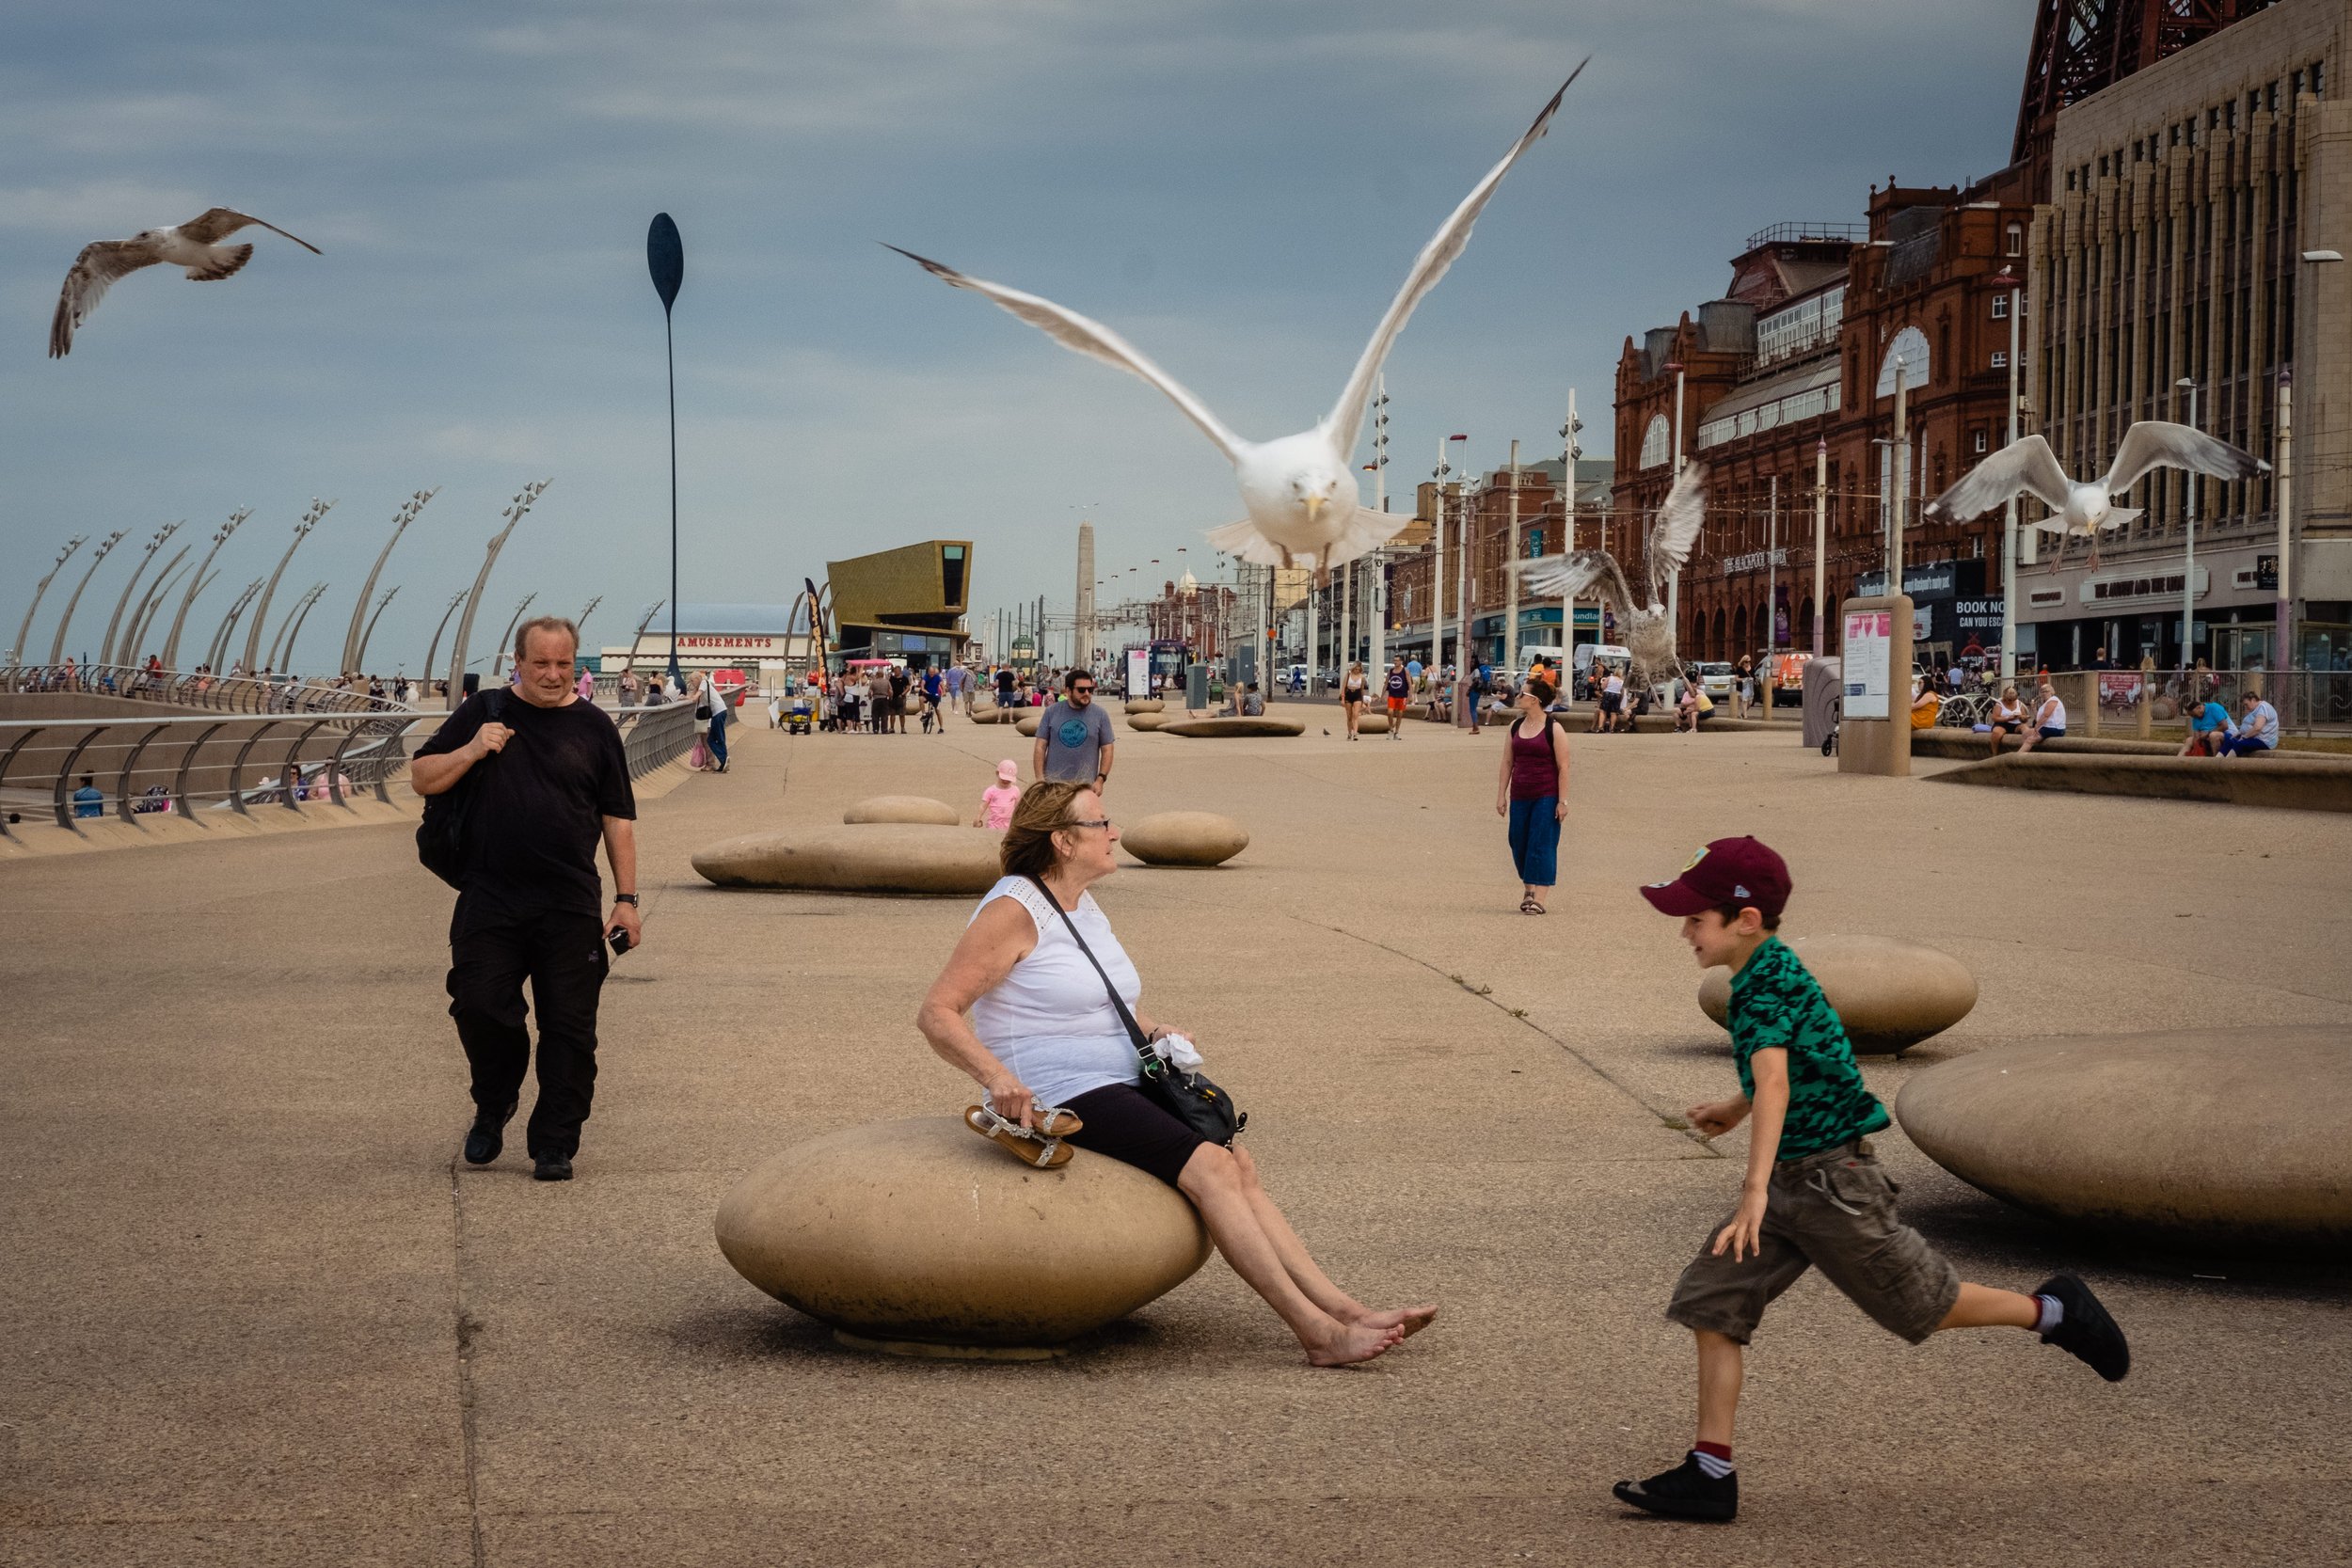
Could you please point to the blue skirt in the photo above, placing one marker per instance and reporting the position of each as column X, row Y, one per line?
column 1535, row 840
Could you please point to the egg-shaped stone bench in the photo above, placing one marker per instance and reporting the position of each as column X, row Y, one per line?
column 1220, row 729
column 1185, row 838
column 1026, row 723
column 1369, row 723
column 1146, row 705
column 919, row 1237
column 986, row 715
column 1145, row 720
column 870, row 857
column 1890, row 994
column 903, row 808
column 2225, row 1139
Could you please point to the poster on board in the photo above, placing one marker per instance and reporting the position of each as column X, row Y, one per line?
column 1138, row 672
column 1869, row 635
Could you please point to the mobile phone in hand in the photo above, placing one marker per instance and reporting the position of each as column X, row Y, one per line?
column 618, row 937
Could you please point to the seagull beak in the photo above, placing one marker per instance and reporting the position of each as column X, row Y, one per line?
column 1314, row 505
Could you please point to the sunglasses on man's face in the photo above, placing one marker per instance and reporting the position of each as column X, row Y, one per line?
column 1082, row 691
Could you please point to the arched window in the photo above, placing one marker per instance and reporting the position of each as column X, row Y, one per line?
column 1909, row 348
column 1657, row 442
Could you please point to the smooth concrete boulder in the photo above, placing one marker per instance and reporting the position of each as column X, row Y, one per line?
column 1890, row 994
column 1147, row 705
column 984, row 714
column 920, row 1237
column 1185, row 838
column 2228, row 1139
column 1145, row 720
column 1218, row 729
column 872, row 856
column 903, row 808
column 1026, row 723
column 1369, row 723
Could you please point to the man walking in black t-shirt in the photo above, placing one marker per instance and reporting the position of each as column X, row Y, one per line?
column 550, row 778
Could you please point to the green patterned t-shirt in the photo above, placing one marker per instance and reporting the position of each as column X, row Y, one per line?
column 1777, row 1004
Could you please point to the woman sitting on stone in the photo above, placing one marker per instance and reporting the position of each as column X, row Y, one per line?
column 1043, row 1034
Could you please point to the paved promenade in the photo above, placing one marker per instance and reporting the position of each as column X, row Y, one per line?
column 257, row 1315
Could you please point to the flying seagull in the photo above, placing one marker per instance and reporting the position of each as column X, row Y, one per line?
column 1643, row 625
column 194, row 244
column 2030, row 468
column 1299, row 490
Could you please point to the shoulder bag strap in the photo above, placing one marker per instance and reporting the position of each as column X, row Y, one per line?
column 1135, row 1033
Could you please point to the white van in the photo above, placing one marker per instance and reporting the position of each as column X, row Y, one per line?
column 1607, row 653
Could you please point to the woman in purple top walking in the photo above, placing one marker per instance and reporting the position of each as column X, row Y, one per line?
column 1533, row 791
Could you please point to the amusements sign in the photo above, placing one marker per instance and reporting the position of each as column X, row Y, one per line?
column 1869, row 635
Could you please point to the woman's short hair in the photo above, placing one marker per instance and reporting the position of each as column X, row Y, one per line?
column 1044, row 810
column 1541, row 689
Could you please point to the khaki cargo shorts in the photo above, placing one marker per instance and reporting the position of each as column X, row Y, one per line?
column 1834, row 1210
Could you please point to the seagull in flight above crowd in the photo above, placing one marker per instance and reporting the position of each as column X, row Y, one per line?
column 2029, row 467
column 1643, row 625
column 1299, row 490
column 194, row 244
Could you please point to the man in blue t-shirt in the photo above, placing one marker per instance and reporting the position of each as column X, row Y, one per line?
column 87, row 800
column 1073, row 737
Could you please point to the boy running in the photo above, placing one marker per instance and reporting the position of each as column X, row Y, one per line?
column 1814, row 1196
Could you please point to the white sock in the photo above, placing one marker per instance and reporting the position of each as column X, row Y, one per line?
column 1713, row 1467
column 2051, row 1313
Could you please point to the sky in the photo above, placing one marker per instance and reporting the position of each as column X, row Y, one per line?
column 1237, row 187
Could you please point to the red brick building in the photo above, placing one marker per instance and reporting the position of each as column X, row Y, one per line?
column 1799, row 358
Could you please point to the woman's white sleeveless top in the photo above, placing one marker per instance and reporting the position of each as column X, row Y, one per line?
column 1050, row 1021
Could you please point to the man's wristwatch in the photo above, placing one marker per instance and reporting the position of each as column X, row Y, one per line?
column 628, row 899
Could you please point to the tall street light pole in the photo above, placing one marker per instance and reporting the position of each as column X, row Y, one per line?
column 107, row 645
column 1821, row 541
column 515, row 510
column 1570, row 450
column 2009, row 526
column 1461, row 567
column 1674, row 583
column 318, row 509
column 1510, row 571
column 56, row 648
column 135, row 629
column 2188, row 523
column 665, row 257
column 16, row 649
column 354, row 638
column 1436, row 563
column 198, row 583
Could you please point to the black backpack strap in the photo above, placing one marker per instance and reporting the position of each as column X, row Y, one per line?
column 1135, row 1032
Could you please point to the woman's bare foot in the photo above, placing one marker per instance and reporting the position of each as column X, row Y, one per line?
column 1412, row 1320
column 1349, row 1343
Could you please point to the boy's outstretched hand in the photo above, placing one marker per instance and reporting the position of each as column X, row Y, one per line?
column 1743, row 1235
column 1716, row 1119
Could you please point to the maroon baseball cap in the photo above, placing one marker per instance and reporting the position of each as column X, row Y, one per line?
column 1740, row 871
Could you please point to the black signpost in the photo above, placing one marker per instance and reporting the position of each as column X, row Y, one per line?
column 665, row 257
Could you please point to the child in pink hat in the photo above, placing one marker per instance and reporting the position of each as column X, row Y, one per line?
column 998, row 800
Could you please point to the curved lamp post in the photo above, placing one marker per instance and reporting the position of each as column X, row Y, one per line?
column 434, row 651
column 16, row 649
column 196, row 584
column 359, row 654
column 219, row 649
column 281, row 647
column 506, row 638
column 135, row 633
column 56, row 647
column 524, row 500
column 107, row 645
column 261, row 615
column 665, row 257
column 642, row 622
column 353, row 641
column 587, row 609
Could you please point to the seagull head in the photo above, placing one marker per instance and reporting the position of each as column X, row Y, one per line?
column 1319, row 489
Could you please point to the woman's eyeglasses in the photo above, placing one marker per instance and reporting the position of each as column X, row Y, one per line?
column 1083, row 822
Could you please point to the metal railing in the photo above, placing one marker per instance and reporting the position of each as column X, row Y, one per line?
column 2126, row 705
column 181, row 688
column 190, row 764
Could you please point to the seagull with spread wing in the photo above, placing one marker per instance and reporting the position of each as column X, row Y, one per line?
column 1299, row 490
column 2029, row 467
column 194, row 244
column 1643, row 627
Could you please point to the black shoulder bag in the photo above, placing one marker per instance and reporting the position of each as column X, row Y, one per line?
column 442, row 835
column 1190, row 1097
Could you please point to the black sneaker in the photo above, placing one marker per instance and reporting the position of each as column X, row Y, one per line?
column 1685, row 1491
column 552, row 1167
column 2086, row 1333
column 487, row 1135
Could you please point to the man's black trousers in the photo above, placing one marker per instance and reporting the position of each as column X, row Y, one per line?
column 493, row 949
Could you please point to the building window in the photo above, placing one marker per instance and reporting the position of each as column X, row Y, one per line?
column 2000, row 308
column 2016, row 239
column 2069, row 179
column 1657, row 442
column 2000, row 359
column 1910, row 347
column 1983, row 441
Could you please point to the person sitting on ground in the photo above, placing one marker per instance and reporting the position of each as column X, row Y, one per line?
column 1814, row 1194
column 2007, row 717
column 2209, row 730
column 1252, row 705
column 2049, row 719
column 1042, row 1035
column 999, row 799
column 2257, row 731
column 88, row 800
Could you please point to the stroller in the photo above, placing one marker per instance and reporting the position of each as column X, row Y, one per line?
column 799, row 721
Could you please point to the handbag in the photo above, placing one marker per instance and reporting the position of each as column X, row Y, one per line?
column 441, row 844
column 1190, row 1097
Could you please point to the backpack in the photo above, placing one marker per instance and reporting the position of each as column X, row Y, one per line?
column 441, row 844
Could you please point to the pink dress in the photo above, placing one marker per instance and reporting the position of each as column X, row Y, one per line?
column 996, row 803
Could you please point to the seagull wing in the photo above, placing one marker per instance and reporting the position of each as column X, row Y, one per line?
column 221, row 222
column 1346, row 417
column 2160, row 444
column 1092, row 339
column 86, row 284
column 1570, row 576
column 1676, row 528
column 2026, row 465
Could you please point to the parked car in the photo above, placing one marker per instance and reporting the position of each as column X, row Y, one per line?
column 1714, row 678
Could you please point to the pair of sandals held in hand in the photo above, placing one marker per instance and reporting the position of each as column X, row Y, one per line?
column 1039, row 1144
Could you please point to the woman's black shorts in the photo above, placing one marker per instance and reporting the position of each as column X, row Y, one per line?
column 1121, row 1122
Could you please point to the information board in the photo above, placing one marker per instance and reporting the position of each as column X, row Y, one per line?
column 1868, row 634
column 1138, row 672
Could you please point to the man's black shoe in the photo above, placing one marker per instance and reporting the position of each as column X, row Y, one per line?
column 2086, row 1332
column 552, row 1167
column 1685, row 1491
column 487, row 1135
